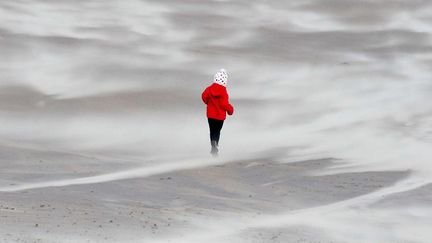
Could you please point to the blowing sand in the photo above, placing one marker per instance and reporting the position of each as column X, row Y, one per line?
column 168, row 207
column 103, row 134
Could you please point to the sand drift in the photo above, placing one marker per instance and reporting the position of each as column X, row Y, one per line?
column 103, row 134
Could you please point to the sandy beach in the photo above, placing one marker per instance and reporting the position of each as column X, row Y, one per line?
column 163, row 206
column 104, row 138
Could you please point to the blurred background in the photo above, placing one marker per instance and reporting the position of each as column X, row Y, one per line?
column 343, row 79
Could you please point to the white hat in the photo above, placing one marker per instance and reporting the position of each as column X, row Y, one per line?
column 221, row 77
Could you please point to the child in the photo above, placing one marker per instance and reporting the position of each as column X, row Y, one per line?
column 216, row 98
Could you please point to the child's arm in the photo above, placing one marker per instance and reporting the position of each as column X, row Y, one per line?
column 226, row 105
column 205, row 96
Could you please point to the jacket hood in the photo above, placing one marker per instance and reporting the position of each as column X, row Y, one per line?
column 217, row 90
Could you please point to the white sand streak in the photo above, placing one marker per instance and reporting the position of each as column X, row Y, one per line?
column 120, row 175
column 335, row 218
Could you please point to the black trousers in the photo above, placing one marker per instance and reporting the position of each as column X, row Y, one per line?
column 215, row 128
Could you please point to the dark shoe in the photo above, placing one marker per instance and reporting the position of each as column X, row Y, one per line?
column 214, row 151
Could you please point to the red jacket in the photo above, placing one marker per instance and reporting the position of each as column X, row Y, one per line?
column 217, row 100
